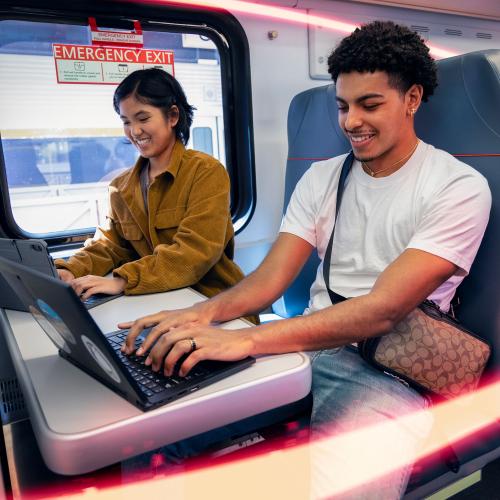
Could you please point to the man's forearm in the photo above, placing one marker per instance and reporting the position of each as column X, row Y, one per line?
column 331, row 327
column 398, row 290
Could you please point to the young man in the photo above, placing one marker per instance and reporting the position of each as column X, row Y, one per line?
column 411, row 221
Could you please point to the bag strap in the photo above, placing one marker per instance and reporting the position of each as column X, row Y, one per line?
column 346, row 168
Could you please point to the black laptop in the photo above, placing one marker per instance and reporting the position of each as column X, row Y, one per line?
column 64, row 318
column 35, row 255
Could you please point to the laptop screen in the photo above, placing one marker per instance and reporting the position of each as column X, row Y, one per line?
column 32, row 253
column 66, row 321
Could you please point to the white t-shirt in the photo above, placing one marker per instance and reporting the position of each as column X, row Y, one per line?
column 433, row 203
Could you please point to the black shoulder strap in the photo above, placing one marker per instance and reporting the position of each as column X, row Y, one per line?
column 346, row 168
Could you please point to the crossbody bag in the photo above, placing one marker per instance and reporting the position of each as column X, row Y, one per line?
column 428, row 349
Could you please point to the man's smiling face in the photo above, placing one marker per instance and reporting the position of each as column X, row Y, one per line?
column 374, row 116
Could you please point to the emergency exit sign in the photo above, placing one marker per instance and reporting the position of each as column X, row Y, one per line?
column 106, row 65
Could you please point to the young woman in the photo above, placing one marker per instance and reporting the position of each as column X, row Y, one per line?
column 169, row 224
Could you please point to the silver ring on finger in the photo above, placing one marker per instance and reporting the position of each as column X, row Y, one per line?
column 193, row 344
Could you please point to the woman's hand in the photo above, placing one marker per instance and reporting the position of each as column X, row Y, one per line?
column 162, row 322
column 86, row 286
column 65, row 275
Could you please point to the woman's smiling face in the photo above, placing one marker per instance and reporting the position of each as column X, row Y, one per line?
column 146, row 126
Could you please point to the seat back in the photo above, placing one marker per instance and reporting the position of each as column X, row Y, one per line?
column 463, row 118
column 313, row 134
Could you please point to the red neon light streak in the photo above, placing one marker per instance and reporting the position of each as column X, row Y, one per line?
column 285, row 473
column 262, row 10
column 284, row 14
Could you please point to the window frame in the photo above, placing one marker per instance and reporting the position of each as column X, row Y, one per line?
column 231, row 41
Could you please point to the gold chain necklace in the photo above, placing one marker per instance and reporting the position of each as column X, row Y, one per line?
column 371, row 172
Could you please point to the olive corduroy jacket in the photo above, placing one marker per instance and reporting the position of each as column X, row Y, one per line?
column 185, row 238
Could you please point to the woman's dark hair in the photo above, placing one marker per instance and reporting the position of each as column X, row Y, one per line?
column 159, row 89
column 385, row 46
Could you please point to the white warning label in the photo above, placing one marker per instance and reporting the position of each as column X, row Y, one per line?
column 111, row 38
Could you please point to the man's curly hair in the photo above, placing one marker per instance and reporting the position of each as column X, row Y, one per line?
column 385, row 46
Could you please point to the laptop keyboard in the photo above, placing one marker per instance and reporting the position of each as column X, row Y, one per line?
column 96, row 299
column 150, row 382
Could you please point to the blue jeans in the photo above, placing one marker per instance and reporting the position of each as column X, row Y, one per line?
column 349, row 395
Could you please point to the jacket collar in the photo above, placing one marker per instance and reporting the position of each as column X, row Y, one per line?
column 172, row 167
column 175, row 160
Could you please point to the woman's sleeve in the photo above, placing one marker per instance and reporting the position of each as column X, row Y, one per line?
column 198, row 243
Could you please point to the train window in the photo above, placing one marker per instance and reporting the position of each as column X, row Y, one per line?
column 63, row 143
column 202, row 139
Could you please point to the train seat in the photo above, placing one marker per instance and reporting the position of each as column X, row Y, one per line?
column 463, row 119
column 313, row 134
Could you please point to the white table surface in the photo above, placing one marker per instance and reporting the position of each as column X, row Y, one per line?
column 81, row 425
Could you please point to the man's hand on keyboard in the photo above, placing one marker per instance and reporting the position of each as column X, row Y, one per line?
column 162, row 322
column 89, row 285
column 197, row 343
